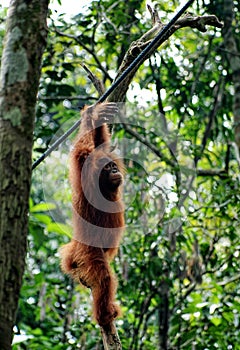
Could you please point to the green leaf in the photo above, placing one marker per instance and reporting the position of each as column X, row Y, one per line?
column 60, row 228
column 45, row 219
column 43, row 207
column 216, row 321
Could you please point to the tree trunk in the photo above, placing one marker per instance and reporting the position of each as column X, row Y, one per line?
column 164, row 314
column 20, row 71
column 231, row 46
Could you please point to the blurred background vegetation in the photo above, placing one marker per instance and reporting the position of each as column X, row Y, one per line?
column 178, row 266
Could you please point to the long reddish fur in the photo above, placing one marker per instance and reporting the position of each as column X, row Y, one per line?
column 97, row 233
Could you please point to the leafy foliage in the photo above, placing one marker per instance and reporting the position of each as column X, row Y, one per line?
column 178, row 267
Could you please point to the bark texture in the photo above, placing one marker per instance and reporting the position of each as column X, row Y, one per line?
column 24, row 43
column 232, row 43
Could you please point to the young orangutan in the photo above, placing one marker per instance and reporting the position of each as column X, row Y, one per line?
column 96, row 175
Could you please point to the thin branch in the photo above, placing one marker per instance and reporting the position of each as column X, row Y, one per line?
column 201, row 67
column 233, row 53
column 94, row 30
column 218, row 267
column 70, row 98
column 211, row 172
column 144, row 141
column 155, row 69
column 212, row 115
column 96, row 82
column 189, row 290
column 85, row 47
column 230, row 280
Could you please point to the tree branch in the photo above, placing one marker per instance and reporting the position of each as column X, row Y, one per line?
column 144, row 141
column 70, row 98
column 218, row 95
column 96, row 82
column 197, row 22
column 211, row 172
column 110, row 338
column 85, row 47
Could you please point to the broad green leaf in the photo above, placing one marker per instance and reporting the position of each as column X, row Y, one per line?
column 43, row 207
column 60, row 228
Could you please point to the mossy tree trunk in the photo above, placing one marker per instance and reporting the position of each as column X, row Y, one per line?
column 24, row 42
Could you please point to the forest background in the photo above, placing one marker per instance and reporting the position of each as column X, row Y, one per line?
column 178, row 265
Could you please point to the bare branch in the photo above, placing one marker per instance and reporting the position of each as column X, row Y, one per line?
column 96, row 82
column 198, row 22
column 70, row 98
column 211, row 172
column 154, row 15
